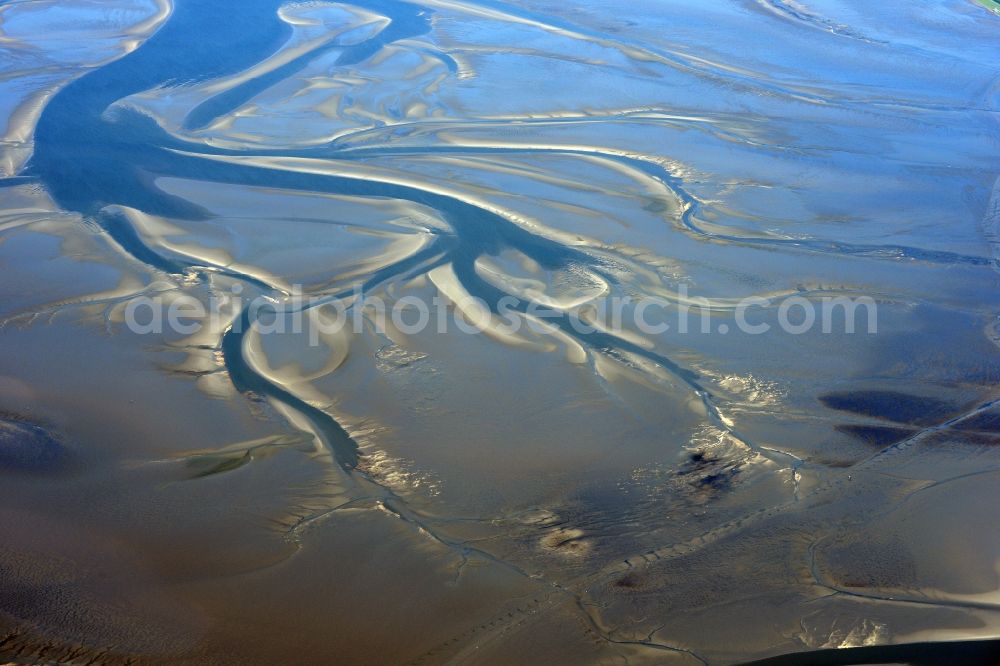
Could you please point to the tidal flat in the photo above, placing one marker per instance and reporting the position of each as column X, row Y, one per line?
column 499, row 332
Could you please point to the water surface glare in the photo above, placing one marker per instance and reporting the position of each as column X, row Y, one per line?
column 499, row 332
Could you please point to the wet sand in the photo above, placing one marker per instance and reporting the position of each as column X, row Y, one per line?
column 555, row 494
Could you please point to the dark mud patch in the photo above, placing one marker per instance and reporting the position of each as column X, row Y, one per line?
column 891, row 406
column 203, row 466
column 965, row 438
column 28, row 447
column 708, row 474
column 984, row 422
column 837, row 463
column 876, row 436
column 630, row 581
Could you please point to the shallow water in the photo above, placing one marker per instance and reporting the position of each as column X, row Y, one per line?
column 259, row 486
